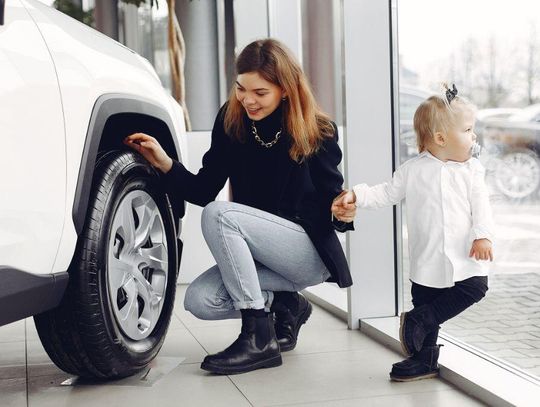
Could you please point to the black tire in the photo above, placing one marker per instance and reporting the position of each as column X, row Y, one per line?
column 83, row 335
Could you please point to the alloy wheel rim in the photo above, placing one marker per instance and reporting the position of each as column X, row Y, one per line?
column 518, row 175
column 137, row 264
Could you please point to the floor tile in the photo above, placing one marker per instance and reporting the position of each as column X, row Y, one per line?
column 444, row 398
column 181, row 343
column 321, row 318
column 215, row 339
column 11, row 372
column 12, row 354
column 36, row 353
column 316, row 339
column 31, row 331
column 326, row 376
column 44, row 369
column 13, row 392
column 13, row 332
column 185, row 386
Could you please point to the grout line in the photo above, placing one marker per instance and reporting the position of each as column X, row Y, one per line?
column 191, row 333
column 228, row 377
column 240, row 391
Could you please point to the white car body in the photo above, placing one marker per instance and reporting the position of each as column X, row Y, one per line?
column 53, row 71
column 69, row 95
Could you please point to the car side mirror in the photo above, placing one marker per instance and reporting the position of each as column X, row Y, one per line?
column 2, row 8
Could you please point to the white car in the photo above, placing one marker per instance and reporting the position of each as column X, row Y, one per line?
column 88, row 238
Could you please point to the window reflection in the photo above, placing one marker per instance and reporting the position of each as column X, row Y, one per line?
column 144, row 29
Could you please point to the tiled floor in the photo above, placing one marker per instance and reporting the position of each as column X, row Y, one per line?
column 331, row 366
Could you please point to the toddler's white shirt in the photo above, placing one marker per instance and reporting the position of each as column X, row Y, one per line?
column 447, row 209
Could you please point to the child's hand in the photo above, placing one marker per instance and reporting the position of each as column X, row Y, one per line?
column 344, row 207
column 481, row 250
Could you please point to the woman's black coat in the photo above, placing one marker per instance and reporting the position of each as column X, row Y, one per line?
column 305, row 190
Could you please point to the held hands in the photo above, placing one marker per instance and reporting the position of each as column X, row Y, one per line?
column 150, row 149
column 481, row 250
column 344, row 207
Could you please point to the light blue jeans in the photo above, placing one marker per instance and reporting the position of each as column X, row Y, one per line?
column 256, row 253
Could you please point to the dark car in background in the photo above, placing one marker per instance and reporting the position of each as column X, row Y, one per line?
column 493, row 115
column 513, row 145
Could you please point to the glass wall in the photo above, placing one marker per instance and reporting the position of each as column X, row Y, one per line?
column 144, row 30
column 491, row 51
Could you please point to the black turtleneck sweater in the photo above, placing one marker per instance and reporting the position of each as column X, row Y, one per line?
column 260, row 177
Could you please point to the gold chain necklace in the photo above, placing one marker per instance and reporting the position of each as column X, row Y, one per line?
column 261, row 142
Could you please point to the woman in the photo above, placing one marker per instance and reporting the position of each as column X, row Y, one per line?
column 277, row 237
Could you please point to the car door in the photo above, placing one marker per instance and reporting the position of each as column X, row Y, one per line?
column 32, row 148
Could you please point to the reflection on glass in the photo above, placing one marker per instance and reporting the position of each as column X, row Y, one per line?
column 495, row 62
column 144, row 29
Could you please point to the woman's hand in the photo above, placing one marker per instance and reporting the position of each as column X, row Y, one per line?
column 344, row 207
column 481, row 250
column 150, row 149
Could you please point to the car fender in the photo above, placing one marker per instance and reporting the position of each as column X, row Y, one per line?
column 106, row 107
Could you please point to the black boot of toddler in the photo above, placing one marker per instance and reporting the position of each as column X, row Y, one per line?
column 422, row 365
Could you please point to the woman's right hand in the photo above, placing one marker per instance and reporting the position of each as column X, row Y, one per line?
column 344, row 207
column 150, row 149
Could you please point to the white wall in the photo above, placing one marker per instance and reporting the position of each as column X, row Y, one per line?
column 285, row 24
column 250, row 21
column 196, row 256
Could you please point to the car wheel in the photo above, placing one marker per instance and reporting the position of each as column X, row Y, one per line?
column 517, row 174
column 116, row 310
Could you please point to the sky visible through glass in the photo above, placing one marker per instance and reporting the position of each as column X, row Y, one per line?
column 469, row 41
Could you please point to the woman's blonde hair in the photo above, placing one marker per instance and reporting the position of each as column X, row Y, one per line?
column 303, row 119
column 436, row 114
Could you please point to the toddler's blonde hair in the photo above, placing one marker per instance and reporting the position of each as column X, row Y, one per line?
column 435, row 114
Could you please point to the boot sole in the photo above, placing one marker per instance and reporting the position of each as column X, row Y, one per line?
column 413, row 378
column 303, row 319
column 404, row 348
column 230, row 370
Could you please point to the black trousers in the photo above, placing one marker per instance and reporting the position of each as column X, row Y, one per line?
column 448, row 302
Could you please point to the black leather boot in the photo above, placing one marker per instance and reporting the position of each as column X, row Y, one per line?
column 422, row 365
column 255, row 348
column 292, row 310
column 414, row 326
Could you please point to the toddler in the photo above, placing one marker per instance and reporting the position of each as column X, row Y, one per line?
column 449, row 226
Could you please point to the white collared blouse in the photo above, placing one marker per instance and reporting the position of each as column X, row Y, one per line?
column 447, row 209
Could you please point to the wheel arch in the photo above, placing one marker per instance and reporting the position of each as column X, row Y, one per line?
column 115, row 116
